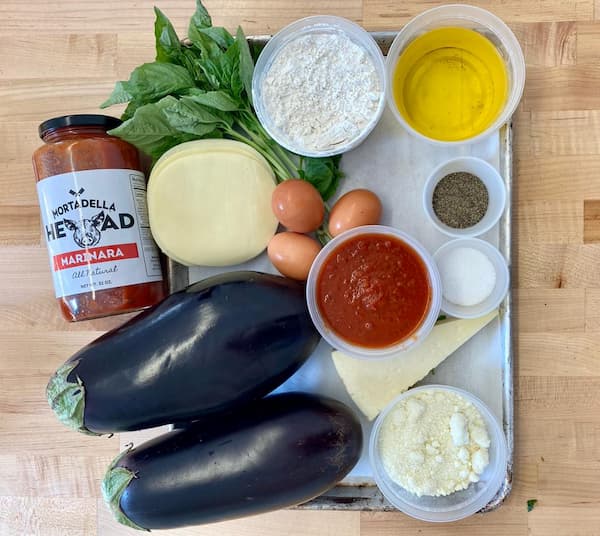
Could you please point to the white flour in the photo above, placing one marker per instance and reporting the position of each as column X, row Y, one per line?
column 321, row 90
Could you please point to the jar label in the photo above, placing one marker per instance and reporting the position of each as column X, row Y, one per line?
column 97, row 230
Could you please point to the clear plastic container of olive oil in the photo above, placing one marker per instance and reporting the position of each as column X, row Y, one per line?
column 450, row 83
column 455, row 74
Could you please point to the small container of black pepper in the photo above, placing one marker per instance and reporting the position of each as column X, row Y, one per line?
column 464, row 197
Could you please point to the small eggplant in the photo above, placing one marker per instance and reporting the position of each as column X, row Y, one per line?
column 275, row 453
column 218, row 344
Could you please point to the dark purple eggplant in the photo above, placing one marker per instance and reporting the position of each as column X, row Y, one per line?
column 275, row 453
column 214, row 346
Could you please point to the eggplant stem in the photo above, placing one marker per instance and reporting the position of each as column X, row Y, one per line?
column 67, row 398
column 114, row 484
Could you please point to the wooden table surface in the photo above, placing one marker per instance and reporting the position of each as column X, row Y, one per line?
column 63, row 57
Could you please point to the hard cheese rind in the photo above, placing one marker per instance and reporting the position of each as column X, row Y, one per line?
column 374, row 384
column 209, row 203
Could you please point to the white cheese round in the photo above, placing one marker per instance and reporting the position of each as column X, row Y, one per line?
column 209, row 203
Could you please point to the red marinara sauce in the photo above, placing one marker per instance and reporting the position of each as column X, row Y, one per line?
column 373, row 291
column 92, row 196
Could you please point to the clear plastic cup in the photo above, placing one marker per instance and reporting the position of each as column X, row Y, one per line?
column 502, row 278
column 490, row 178
column 481, row 21
column 459, row 504
column 316, row 24
column 373, row 353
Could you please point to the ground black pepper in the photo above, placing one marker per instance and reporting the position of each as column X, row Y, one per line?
column 460, row 200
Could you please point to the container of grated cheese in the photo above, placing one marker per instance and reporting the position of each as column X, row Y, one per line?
column 459, row 504
column 365, row 47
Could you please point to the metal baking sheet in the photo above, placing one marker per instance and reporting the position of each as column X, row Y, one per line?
column 395, row 165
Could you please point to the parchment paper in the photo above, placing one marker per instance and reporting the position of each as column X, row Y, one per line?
column 395, row 165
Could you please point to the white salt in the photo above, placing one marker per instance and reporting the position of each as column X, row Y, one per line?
column 468, row 276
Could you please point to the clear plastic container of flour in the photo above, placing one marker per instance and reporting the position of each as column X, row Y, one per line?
column 459, row 504
column 308, row 25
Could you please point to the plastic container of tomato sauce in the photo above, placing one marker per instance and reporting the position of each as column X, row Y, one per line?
column 92, row 196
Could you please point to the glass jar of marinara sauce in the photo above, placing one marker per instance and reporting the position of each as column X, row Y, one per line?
column 92, row 196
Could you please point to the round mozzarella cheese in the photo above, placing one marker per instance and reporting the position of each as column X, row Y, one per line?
column 209, row 203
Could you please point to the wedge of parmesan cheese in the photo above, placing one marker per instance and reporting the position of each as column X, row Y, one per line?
column 374, row 384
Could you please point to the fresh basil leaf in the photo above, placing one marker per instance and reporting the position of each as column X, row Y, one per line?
column 221, row 71
column 229, row 64
column 219, row 100
column 338, row 175
column 191, row 92
column 331, row 188
column 190, row 117
column 219, row 35
column 191, row 62
column 184, row 121
column 531, row 504
column 149, row 82
column 119, row 95
column 323, row 173
column 201, row 18
column 211, row 74
column 150, row 131
column 131, row 108
column 202, row 114
column 211, row 42
column 168, row 44
column 155, row 80
column 204, row 43
column 246, row 64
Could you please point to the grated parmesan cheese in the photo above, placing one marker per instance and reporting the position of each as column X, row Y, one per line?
column 434, row 443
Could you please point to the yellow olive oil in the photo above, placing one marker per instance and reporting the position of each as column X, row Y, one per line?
column 450, row 84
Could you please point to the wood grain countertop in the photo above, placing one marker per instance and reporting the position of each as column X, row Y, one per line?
column 63, row 57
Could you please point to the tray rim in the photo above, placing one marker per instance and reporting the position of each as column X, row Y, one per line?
column 348, row 497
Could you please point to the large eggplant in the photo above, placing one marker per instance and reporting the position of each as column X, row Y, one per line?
column 218, row 344
column 277, row 452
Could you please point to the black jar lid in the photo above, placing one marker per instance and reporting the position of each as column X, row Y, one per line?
column 78, row 120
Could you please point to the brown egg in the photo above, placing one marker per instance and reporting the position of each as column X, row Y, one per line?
column 293, row 254
column 355, row 208
column 298, row 206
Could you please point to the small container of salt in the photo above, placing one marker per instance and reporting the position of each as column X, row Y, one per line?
column 475, row 277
